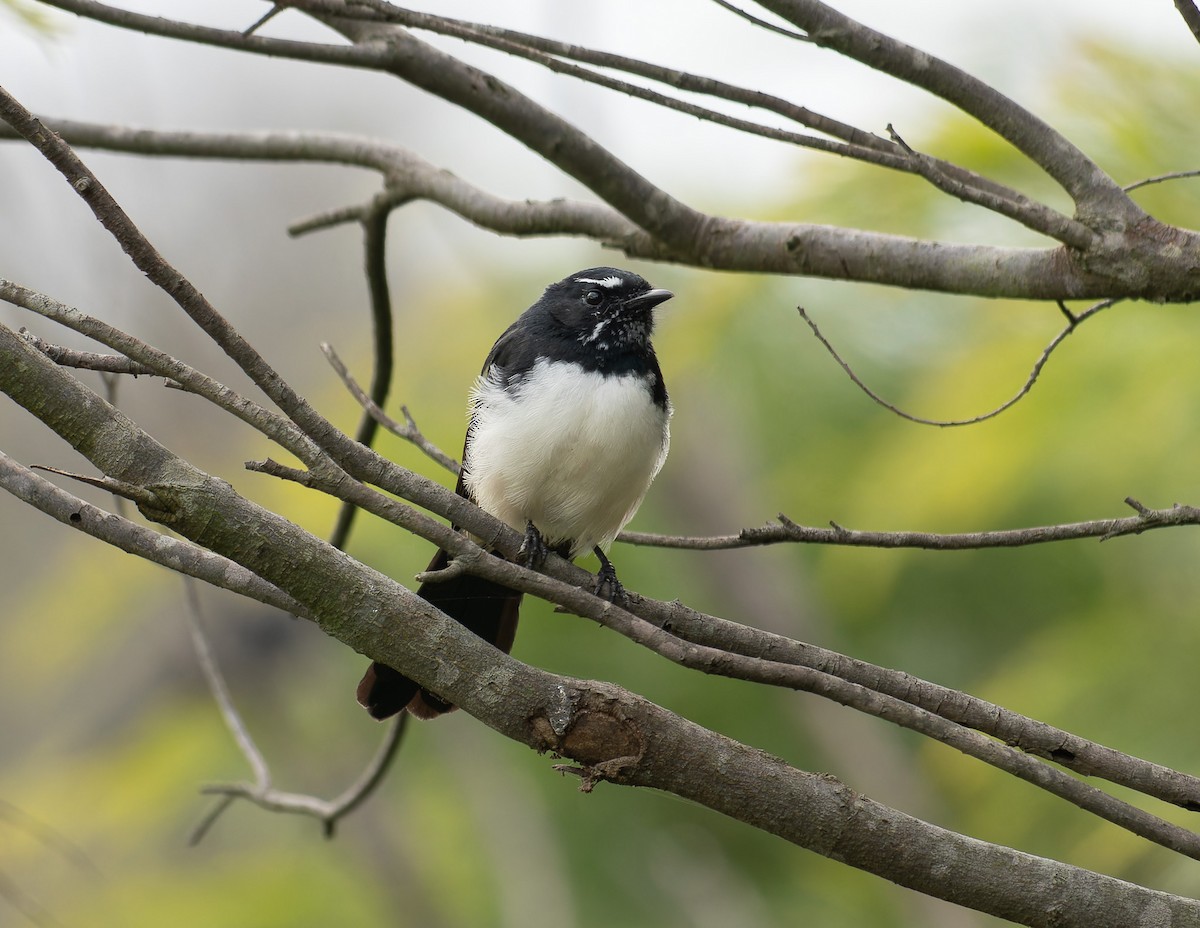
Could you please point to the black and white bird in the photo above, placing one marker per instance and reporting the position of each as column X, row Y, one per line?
column 569, row 424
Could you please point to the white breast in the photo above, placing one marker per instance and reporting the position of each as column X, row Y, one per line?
column 573, row 451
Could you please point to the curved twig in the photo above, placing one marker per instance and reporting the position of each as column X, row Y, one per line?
column 407, row 431
column 762, row 23
column 1073, row 322
column 261, row 792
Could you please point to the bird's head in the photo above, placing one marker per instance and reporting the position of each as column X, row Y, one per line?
column 605, row 308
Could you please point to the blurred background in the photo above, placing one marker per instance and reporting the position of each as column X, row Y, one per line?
column 107, row 730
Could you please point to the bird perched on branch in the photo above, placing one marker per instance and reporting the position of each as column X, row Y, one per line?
column 569, row 425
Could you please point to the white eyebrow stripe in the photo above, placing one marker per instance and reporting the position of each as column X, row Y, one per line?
column 609, row 282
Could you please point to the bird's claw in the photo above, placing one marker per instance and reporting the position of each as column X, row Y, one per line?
column 533, row 551
column 607, row 585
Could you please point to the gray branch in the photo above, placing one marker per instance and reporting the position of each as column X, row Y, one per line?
column 1134, row 256
column 612, row 734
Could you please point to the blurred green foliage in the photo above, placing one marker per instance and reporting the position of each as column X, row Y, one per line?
column 110, row 731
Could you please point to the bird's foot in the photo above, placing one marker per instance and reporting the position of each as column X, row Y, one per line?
column 533, row 550
column 607, row 585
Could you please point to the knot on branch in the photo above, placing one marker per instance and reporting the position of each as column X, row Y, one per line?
column 603, row 739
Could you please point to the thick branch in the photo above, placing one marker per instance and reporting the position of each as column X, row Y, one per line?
column 854, row 143
column 1191, row 15
column 1093, row 191
column 1137, row 258
column 615, row 735
column 155, row 547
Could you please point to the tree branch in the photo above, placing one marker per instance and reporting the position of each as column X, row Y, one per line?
column 261, row 792
column 85, row 360
column 375, row 267
column 785, row 530
column 186, row 378
column 1137, row 257
column 155, row 547
column 1093, row 191
column 408, row 431
column 615, row 735
column 1191, row 16
column 856, row 144
column 760, row 669
column 1073, row 322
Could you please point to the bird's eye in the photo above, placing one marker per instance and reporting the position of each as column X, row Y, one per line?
column 593, row 298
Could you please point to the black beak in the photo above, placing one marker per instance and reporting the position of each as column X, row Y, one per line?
column 648, row 300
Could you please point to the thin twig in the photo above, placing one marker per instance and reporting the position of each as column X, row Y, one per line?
column 85, row 360
column 261, row 792
column 275, row 10
column 1162, row 178
column 787, row 531
column 1013, row 205
column 220, row 691
column 407, row 431
column 119, row 488
column 1073, row 324
column 749, row 17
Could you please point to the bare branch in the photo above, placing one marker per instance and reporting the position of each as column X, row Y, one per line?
column 859, row 145
column 787, row 531
column 1161, row 178
column 1015, row 206
column 162, row 274
column 180, row 556
column 220, row 691
column 275, row 10
column 1142, row 262
column 85, row 360
column 261, row 792
column 1073, row 322
column 408, row 431
column 375, row 267
column 787, row 248
column 328, row 811
column 278, row 429
column 472, row 558
column 655, row 748
column 1092, row 190
column 737, row 11
column 1191, row 15
column 118, row 488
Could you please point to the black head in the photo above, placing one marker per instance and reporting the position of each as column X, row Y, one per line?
column 604, row 309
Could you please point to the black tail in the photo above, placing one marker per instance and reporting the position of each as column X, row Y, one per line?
column 485, row 607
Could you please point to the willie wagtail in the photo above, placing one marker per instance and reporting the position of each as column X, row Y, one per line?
column 569, row 424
